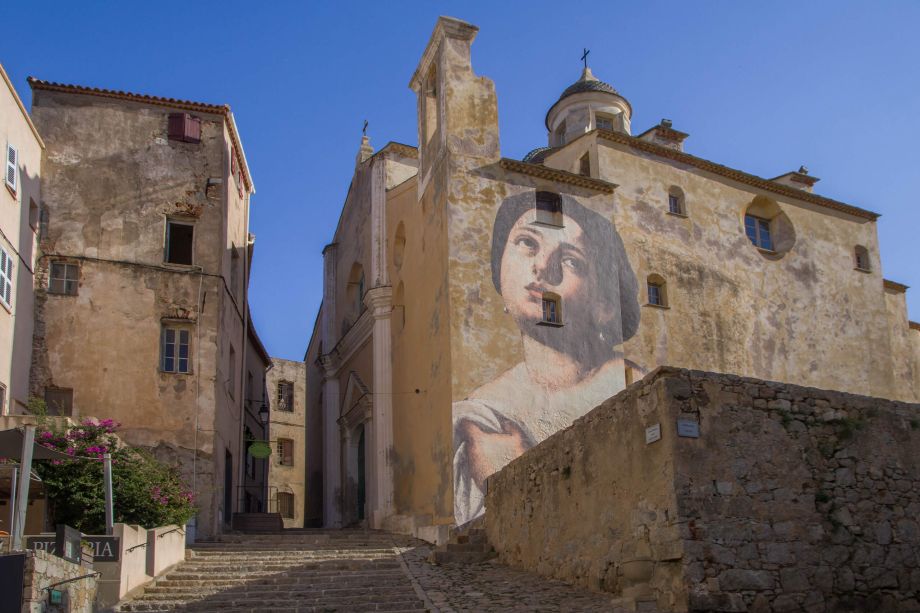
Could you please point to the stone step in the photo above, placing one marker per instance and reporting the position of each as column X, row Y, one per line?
column 461, row 557
column 352, row 594
column 281, row 579
column 331, row 603
column 396, row 607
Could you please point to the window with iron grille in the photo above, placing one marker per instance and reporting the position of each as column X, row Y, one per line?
column 285, row 452
column 175, row 350
column 862, row 258
column 286, row 504
column 6, row 278
column 64, row 278
column 285, row 396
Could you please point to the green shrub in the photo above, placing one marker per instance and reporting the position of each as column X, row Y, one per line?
column 145, row 491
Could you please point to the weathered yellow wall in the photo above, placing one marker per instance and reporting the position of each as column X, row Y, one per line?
column 109, row 193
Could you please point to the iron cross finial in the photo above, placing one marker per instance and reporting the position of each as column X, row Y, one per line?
column 584, row 57
column 364, row 129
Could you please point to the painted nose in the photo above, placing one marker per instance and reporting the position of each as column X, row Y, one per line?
column 548, row 270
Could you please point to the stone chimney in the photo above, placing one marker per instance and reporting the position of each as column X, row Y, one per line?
column 665, row 135
column 799, row 179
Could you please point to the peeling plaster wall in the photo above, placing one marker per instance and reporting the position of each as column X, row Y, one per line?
column 733, row 309
column 289, row 424
column 112, row 178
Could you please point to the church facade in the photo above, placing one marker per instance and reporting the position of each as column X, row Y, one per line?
column 474, row 304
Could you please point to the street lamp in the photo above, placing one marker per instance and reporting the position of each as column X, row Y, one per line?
column 263, row 413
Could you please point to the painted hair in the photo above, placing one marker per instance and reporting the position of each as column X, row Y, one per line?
column 603, row 245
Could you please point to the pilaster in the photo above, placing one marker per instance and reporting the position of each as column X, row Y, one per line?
column 379, row 269
column 380, row 301
column 332, row 449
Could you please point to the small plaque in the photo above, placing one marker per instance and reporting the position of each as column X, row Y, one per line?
column 688, row 428
column 652, row 434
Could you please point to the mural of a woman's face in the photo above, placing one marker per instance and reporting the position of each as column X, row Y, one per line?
column 540, row 259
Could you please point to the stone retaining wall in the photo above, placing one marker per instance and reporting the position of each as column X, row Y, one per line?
column 791, row 498
column 42, row 570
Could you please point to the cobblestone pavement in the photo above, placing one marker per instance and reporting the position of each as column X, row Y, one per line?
column 491, row 586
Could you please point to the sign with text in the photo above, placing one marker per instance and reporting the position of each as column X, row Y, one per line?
column 652, row 434
column 105, row 548
column 688, row 428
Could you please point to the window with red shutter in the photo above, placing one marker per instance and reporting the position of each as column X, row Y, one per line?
column 183, row 127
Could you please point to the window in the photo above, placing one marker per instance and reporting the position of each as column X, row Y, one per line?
column 676, row 201
column 231, row 378
column 584, row 165
column 560, row 134
column 758, row 230
column 43, row 216
column 234, row 271
column 862, row 259
column 286, row 504
column 552, row 311
column 33, row 215
column 285, row 396
column 604, row 122
column 179, row 240
column 657, row 291
column 183, row 127
column 549, row 208
column 175, row 350
column 285, row 452
column 12, row 169
column 6, row 278
column 59, row 401
column 63, row 278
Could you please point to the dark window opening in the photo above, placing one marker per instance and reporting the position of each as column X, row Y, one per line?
column 862, row 259
column 584, row 165
column 59, row 401
column 549, row 208
column 179, row 240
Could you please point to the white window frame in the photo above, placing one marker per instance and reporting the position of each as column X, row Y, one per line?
column 6, row 279
column 11, row 168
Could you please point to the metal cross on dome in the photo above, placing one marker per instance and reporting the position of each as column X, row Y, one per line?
column 584, row 57
column 364, row 129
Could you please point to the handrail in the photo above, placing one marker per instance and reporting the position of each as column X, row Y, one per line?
column 92, row 574
column 177, row 529
column 138, row 546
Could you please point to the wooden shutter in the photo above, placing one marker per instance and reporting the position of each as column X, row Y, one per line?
column 183, row 127
column 12, row 167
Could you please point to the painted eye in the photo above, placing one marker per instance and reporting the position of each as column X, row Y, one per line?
column 527, row 243
column 576, row 265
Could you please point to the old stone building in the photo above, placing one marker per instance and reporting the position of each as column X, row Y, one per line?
column 287, row 435
column 20, row 200
column 474, row 304
column 141, row 285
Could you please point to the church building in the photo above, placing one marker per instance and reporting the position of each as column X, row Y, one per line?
column 475, row 304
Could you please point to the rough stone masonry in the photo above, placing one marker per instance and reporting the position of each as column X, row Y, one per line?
column 790, row 498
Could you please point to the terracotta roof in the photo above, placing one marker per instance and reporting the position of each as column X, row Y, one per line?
column 913, row 325
column 173, row 103
column 894, row 285
column 561, row 176
column 737, row 175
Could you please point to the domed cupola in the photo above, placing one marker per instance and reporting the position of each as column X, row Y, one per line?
column 585, row 105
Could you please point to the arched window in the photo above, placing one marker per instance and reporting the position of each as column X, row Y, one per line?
column 862, row 258
column 355, row 290
column 549, row 208
column 657, row 291
column 552, row 308
column 559, row 134
column 399, row 245
column 584, row 165
column 676, row 202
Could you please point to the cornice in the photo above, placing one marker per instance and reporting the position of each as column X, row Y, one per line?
column 352, row 340
column 173, row 103
column 894, row 286
column 913, row 325
column 736, row 175
column 560, row 176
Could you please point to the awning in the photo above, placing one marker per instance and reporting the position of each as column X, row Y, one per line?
column 11, row 447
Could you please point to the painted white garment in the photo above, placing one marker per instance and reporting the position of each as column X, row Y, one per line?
column 539, row 411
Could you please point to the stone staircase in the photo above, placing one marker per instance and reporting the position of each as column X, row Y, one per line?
column 294, row 570
column 467, row 544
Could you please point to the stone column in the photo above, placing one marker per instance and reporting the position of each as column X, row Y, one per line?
column 332, row 450
column 379, row 300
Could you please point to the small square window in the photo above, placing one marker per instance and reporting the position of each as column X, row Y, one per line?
column 285, row 396
column 179, row 240
column 174, row 351
column 59, row 401
column 64, row 278
column 285, row 452
column 604, row 122
column 551, row 310
column 549, row 208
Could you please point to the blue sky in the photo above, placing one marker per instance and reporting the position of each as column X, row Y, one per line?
column 763, row 87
